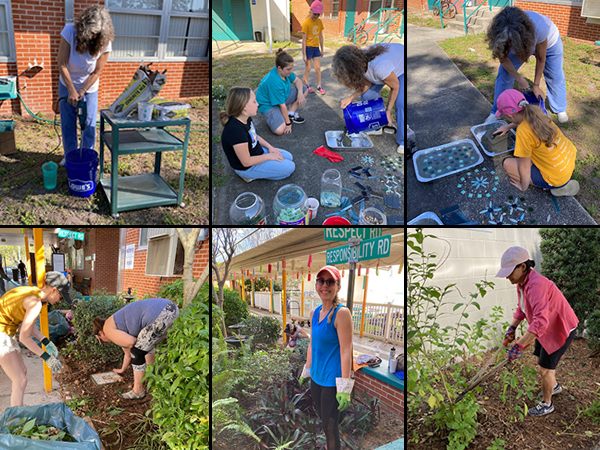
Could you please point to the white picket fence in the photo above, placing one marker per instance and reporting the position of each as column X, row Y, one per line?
column 382, row 321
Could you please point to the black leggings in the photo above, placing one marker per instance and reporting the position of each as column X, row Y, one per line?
column 327, row 409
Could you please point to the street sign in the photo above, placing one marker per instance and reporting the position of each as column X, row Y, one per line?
column 70, row 234
column 343, row 234
column 368, row 249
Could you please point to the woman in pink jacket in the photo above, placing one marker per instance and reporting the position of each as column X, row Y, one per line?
column 552, row 321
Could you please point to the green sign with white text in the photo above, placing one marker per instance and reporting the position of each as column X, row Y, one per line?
column 368, row 249
column 343, row 234
column 70, row 234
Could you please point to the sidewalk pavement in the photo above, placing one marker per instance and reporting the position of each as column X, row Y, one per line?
column 364, row 345
column 322, row 113
column 225, row 48
column 442, row 107
column 35, row 393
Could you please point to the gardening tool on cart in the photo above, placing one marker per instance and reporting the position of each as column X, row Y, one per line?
column 482, row 375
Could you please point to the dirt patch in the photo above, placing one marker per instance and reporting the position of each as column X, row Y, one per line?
column 563, row 429
column 25, row 201
column 101, row 403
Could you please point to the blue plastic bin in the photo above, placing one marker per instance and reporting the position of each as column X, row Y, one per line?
column 364, row 116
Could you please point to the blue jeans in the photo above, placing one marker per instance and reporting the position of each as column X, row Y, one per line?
column 271, row 170
column 553, row 73
column 69, row 123
column 373, row 93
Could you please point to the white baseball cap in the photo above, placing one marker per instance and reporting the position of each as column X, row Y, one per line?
column 510, row 259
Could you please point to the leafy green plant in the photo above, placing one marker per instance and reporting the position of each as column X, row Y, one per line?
column 497, row 444
column 264, row 369
column 235, row 309
column 78, row 402
column 28, row 429
column 99, row 305
column 264, row 330
column 179, row 379
column 571, row 258
column 432, row 347
column 515, row 386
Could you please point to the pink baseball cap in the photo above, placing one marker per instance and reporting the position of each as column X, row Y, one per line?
column 331, row 270
column 510, row 102
column 510, row 259
column 317, row 7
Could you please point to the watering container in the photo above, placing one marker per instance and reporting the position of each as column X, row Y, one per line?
column 365, row 116
column 534, row 101
column 82, row 168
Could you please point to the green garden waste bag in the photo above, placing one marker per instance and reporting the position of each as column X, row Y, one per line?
column 54, row 414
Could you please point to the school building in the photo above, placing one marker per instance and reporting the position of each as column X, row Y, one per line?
column 172, row 35
column 573, row 19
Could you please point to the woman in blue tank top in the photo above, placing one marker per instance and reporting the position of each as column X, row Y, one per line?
column 329, row 357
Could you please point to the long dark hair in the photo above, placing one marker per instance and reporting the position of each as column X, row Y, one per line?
column 512, row 25
column 94, row 30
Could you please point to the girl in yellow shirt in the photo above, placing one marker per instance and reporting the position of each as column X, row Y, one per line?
column 544, row 157
column 21, row 306
column 312, row 40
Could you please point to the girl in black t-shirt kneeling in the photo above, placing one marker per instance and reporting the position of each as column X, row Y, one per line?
column 249, row 155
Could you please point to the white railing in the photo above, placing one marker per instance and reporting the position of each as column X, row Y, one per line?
column 382, row 321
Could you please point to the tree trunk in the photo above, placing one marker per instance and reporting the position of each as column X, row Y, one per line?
column 190, row 289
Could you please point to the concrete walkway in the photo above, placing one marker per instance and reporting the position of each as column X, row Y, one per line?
column 364, row 345
column 35, row 393
column 322, row 113
column 226, row 48
column 442, row 107
column 396, row 445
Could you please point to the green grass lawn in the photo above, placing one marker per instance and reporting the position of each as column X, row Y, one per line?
column 582, row 72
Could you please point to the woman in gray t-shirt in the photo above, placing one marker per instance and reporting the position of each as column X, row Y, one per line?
column 138, row 328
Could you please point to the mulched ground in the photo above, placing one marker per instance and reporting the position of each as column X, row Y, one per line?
column 76, row 383
column 560, row 430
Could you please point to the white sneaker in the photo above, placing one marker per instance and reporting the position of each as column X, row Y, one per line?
column 568, row 190
column 62, row 163
column 400, row 149
column 247, row 180
column 491, row 118
column 562, row 117
column 376, row 132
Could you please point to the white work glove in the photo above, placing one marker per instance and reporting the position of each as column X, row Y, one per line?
column 344, row 389
column 54, row 364
column 305, row 375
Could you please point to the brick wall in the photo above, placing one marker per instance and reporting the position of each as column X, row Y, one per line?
column 37, row 26
column 391, row 396
column 418, row 4
column 136, row 277
column 107, row 259
column 567, row 18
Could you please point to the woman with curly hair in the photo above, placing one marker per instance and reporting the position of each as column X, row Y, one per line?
column 83, row 52
column 513, row 36
column 366, row 71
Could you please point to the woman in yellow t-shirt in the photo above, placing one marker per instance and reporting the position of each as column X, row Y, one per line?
column 21, row 306
column 544, row 156
column 312, row 40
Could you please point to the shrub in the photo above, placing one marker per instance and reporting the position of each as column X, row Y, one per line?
column 593, row 327
column 572, row 261
column 265, row 330
column 179, row 379
column 264, row 370
column 235, row 309
column 100, row 305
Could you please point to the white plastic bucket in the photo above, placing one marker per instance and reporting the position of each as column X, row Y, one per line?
column 145, row 111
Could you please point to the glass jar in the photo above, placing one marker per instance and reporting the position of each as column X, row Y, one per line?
column 372, row 216
column 290, row 206
column 331, row 188
column 248, row 209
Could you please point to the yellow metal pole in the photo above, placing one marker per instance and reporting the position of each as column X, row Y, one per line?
column 271, row 281
column 283, row 297
column 243, row 288
column 40, row 262
column 302, row 296
column 364, row 305
column 24, row 231
column 252, row 284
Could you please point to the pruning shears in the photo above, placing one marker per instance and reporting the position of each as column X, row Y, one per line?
column 482, row 375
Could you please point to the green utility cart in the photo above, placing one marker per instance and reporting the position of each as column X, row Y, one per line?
column 128, row 136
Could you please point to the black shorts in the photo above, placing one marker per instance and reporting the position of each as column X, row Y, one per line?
column 550, row 361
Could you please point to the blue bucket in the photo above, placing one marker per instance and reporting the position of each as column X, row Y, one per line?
column 82, row 168
column 364, row 116
column 535, row 101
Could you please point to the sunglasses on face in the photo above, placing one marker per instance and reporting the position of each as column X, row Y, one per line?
column 321, row 281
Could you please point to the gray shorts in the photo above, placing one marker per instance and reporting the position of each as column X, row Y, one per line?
column 274, row 117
